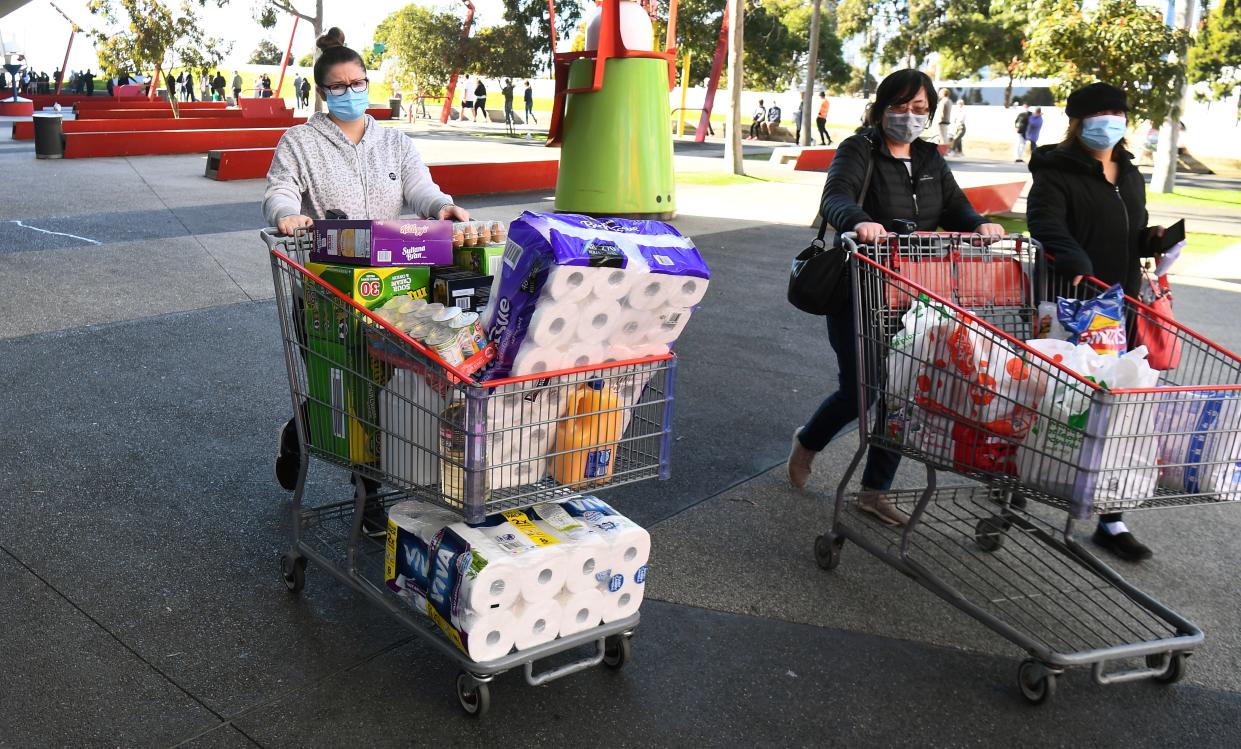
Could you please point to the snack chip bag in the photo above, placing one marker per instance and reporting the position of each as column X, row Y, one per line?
column 1099, row 323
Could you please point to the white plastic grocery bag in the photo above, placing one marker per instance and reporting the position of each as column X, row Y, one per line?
column 1201, row 446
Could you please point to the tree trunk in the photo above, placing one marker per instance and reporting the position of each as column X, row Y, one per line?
column 1163, row 179
column 733, row 156
column 812, row 64
column 317, row 25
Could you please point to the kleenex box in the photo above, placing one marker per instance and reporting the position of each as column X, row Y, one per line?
column 383, row 243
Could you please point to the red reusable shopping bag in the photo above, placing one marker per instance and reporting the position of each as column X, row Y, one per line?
column 1152, row 329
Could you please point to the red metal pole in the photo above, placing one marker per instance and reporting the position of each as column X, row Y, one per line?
column 452, row 82
column 713, row 83
column 65, row 64
column 551, row 23
column 285, row 62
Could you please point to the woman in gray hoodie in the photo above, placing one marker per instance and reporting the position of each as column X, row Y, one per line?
column 343, row 161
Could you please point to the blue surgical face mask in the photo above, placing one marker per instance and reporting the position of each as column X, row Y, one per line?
column 1103, row 131
column 349, row 106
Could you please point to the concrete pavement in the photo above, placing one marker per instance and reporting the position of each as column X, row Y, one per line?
column 139, row 598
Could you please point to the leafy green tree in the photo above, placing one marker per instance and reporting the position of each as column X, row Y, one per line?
column 268, row 12
column 972, row 35
column 426, row 44
column 306, row 60
column 1121, row 42
column 879, row 24
column 143, row 35
column 500, row 51
column 266, row 53
column 1215, row 58
column 530, row 22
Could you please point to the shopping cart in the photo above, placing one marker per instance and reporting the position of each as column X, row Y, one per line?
column 941, row 320
column 368, row 399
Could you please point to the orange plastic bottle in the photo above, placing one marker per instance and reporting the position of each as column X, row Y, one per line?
column 588, row 435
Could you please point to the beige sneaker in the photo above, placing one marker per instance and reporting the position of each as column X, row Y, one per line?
column 800, row 458
column 877, row 504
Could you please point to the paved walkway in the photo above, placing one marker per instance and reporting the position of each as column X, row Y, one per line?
column 139, row 598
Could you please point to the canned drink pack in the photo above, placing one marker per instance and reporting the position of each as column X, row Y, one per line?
column 445, row 345
column 469, row 332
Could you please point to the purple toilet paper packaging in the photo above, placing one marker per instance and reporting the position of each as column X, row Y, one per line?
column 541, row 243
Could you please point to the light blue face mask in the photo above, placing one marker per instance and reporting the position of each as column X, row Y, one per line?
column 349, row 106
column 1103, row 132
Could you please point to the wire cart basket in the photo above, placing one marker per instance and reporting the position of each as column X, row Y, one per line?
column 945, row 370
column 408, row 423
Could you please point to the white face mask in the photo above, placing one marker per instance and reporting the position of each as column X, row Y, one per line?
column 904, row 127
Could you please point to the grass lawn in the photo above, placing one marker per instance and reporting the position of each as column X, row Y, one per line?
column 1202, row 245
column 1197, row 196
column 722, row 179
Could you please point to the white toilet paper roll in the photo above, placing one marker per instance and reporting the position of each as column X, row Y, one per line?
column 596, row 321
column 687, row 291
column 623, row 594
column 537, row 623
column 487, row 635
column 552, row 324
column 581, row 610
column 567, row 283
column 672, row 322
column 586, row 557
column 583, row 354
column 629, row 542
column 543, row 575
column 650, row 291
column 611, row 283
column 631, row 328
column 532, row 359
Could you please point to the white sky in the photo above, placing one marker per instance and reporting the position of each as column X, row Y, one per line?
column 41, row 33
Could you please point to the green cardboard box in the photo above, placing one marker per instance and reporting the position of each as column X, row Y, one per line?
column 343, row 410
column 485, row 261
column 329, row 319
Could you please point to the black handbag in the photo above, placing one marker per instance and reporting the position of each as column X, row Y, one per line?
column 818, row 281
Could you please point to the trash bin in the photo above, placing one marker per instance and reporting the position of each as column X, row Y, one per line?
column 49, row 140
column 396, row 108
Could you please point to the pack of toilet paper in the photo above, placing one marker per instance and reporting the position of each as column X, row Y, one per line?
column 521, row 578
column 575, row 291
column 1200, row 447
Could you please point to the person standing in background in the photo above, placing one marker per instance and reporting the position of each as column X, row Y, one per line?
column 297, row 87
column 90, row 83
column 507, row 91
column 825, row 138
column 204, row 85
column 944, row 118
column 1033, row 128
column 958, row 128
column 797, row 121
column 305, row 92
column 480, row 99
column 1022, row 123
column 759, row 115
column 237, row 85
column 529, row 97
column 188, row 85
column 467, row 100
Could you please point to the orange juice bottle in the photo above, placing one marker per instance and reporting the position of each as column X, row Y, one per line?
column 588, row 435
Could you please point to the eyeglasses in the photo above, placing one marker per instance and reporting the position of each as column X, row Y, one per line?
column 338, row 89
column 906, row 108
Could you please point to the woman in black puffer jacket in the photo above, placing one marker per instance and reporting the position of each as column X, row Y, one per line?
column 1088, row 207
column 909, row 182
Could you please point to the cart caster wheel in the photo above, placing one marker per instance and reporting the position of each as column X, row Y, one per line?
column 827, row 550
column 1176, row 667
column 474, row 695
column 293, row 572
column 989, row 533
column 1036, row 681
column 616, row 651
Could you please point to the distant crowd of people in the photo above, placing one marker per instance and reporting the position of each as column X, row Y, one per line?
column 474, row 101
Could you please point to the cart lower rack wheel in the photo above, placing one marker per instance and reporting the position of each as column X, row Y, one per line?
column 1175, row 666
column 293, row 572
column 474, row 695
column 827, row 550
column 1036, row 681
column 616, row 651
column 989, row 533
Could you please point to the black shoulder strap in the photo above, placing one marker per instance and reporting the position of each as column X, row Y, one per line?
column 870, row 168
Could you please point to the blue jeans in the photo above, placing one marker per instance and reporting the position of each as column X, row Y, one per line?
column 840, row 408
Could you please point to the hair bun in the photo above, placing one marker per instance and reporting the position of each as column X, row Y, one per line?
column 333, row 38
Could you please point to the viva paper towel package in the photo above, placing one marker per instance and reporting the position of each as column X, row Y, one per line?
column 574, row 291
column 1200, row 451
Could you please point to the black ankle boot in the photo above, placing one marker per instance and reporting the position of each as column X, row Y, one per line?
column 1123, row 545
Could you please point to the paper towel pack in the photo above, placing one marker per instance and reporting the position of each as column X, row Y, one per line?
column 1200, row 449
